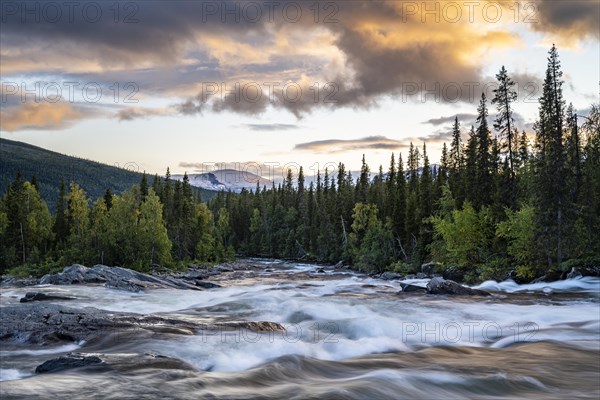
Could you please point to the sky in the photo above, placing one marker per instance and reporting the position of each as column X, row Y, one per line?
column 266, row 85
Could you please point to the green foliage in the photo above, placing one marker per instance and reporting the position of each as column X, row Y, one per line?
column 526, row 273
column 519, row 230
column 486, row 207
column 465, row 234
column 370, row 240
column 496, row 269
column 403, row 268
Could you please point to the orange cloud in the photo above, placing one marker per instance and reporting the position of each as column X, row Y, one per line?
column 40, row 116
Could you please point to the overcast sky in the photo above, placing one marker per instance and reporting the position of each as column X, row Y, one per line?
column 187, row 84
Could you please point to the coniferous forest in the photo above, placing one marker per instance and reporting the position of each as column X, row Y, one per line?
column 498, row 204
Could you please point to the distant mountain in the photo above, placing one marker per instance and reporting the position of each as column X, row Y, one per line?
column 227, row 180
column 48, row 167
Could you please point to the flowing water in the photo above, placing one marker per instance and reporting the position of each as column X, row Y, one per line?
column 348, row 337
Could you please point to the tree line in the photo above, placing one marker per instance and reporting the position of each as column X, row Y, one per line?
column 497, row 203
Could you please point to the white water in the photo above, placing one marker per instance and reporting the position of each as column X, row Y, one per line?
column 341, row 318
column 582, row 284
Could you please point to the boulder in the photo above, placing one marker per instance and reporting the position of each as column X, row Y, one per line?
column 421, row 275
column 206, row 285
column 429, row 269
column 550, row 276
column 455, row 273
column 11, row 281
column 38, row 296
column 49, row 323
column 99, row 362
column 389, row 276
column 439, row 285
column 69, row 361
column 408, row 288
column 577, row 272
column 115, row 277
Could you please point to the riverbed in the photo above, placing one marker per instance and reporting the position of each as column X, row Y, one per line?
column 347, row 336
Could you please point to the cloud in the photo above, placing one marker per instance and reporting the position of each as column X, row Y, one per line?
column 373, row 50
column 131, row 113
column 342, row 145
column 450, row 119
column 42, row 116
column 271, row 127
column 567, row 21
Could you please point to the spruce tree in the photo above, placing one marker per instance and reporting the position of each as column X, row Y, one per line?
column 456, row 161
column 484, row 158
column 144, row 186
column 504, row 124
column 551, row 196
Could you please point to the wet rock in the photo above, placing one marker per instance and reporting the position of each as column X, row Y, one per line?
column 550, row 276
column 454, row 273
column 320, row 271
column 255, row 326
column 577, row 272
column 429, row 269
column 48, row 323
column 99, row 362
column 421, row 275
column 115, row 277
column 11, row 281
column 388, row 276
column 440, row 285
column 207, row 285
column 38, row 296
column 69, row 361
column 408, row 288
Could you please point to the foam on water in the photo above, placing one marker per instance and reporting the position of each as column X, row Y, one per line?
column 344, row 318
column 582, row 284
column 10, row 374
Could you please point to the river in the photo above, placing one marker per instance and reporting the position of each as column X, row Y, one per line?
column 348, row 336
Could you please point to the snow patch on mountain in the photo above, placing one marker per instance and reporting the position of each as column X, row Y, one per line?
column 226, row 180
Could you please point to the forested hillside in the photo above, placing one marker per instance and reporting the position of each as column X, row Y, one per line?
column 502, row 203
column 49, row 168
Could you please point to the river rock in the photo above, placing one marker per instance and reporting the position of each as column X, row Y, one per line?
column 429, row 269
column 11, row 281
column 124, row 362
column 454, row 273
column 439, row 285
column 408, row 288
column 48, row 323
column 206, row 285
column 69, row 361
column 550, row 276
column 115, row 277
column 576, row 272
column 39, row 296
column 388, row 276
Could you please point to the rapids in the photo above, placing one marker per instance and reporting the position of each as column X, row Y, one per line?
column 348, row 336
